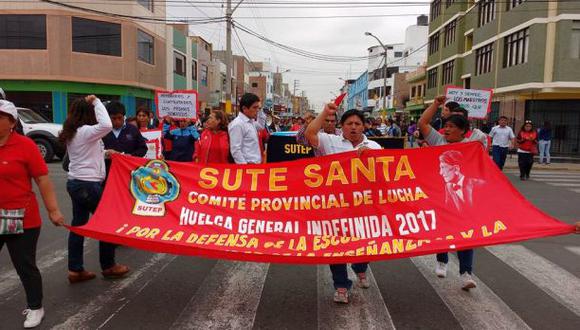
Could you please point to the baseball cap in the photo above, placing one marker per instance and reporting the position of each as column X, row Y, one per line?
column 9, row 108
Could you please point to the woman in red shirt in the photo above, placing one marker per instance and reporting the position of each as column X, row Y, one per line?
column 527, row 147
column 213, row 146
column 20, row 163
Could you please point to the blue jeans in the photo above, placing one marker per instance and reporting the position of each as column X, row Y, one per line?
column 85, row 196
column 544, row 146
column 499, row 155
column 465, row 260
column 340, row 274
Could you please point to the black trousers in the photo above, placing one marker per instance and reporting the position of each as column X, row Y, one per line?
column 22, row 250
column 525, row 162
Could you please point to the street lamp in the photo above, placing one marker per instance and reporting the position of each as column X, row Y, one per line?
column 385, row 71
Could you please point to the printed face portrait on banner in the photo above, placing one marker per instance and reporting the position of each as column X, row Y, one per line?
column 458, row 187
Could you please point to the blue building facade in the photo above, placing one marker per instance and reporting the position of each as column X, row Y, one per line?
column 358, row 92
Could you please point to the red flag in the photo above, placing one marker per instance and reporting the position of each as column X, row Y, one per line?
column 339, row 99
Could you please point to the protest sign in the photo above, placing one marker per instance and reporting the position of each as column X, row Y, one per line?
column 477, row 102
column 153, row 140
column 283, row 147
column 176, row 104
column 340, row 208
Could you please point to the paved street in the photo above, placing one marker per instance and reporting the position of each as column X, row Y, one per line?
column 535, row 285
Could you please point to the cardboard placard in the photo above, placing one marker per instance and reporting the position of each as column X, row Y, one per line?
column 477, row 102
column 177, row 104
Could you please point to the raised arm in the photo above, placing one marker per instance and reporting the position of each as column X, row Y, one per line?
column 103, row 126
column 311, row 133
column 425, row 120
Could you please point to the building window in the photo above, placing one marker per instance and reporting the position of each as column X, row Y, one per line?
column 398, row 54
column 432, row 78
column 146, row 3
column 179, row 64
column 96, row 37
column 575, row 42
column 419, row 92
column 435, row 9
column 22, row 31
column 203, row 75
column 194, row 70
column 486, row 11
column 254, row 85
column 483, row 58
column 514, row 3
column 145, row 47
column 413, row 91
column 516, row 48
column 434, row 43
column 447, row 77
column 449, row 33
column 469, row 42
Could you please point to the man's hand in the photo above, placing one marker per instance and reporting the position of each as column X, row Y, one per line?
column 440, row 100
column 110, row 152
column 360, row 150
column 577, row 227
column 330, row 109
column 56, row 218
column 90, row 98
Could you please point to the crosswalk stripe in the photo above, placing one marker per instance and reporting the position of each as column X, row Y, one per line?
column 552, row 279
column 555, row 180
column 574, row 249
column 480, row 308
column 564, row 184
column 10, row 281
column 85, row 314
column 366, row 309
column 227, row 299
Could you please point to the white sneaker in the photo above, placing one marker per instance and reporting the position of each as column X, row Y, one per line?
column 363, row 281
column 467, row 282
column 341, row 296
column 441, row 269
column 33, row 317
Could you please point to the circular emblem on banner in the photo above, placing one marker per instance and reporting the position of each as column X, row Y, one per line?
column 152, row 186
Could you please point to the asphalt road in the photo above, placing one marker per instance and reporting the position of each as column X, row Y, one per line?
column 535, row 284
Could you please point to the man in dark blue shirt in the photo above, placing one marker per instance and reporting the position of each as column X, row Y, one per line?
column 125, row 139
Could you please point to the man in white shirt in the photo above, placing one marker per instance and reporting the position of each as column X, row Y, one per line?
column 243, row 131
column 502, row 137
column 352, row 138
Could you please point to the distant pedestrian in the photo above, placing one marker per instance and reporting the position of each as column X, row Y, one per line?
column 527, row 147
column 86, row 124
column 545, row 142
column 20, row 222
column 393, row 130
column 411, row 133
column 577, row 227
column 502, row 137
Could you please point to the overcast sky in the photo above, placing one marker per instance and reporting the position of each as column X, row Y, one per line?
column 333, row 36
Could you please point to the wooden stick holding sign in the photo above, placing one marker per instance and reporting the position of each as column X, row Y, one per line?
column 477, row 102
column 177, row 104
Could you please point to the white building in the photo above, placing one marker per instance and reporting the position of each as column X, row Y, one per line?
column 401, row 57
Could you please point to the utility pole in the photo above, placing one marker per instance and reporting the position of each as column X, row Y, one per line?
column 229, row 57
column 384, row 70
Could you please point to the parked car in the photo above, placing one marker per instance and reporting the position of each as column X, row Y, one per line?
column 43, row 132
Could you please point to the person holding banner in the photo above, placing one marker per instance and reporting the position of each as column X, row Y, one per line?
column 244, row 131
column 456, row 126
column 352, row 138
column 527, row 147
column 20, row 222
column 213, row 146
column 124, row 138
column 86, row 124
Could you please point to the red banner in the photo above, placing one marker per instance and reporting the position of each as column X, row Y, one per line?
column 340, row 208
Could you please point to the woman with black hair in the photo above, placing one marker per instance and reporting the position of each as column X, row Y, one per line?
column 454, row 130
column 527, row 139
column 86, row 124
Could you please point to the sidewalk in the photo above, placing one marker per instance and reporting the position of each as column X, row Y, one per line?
column 512, row 163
